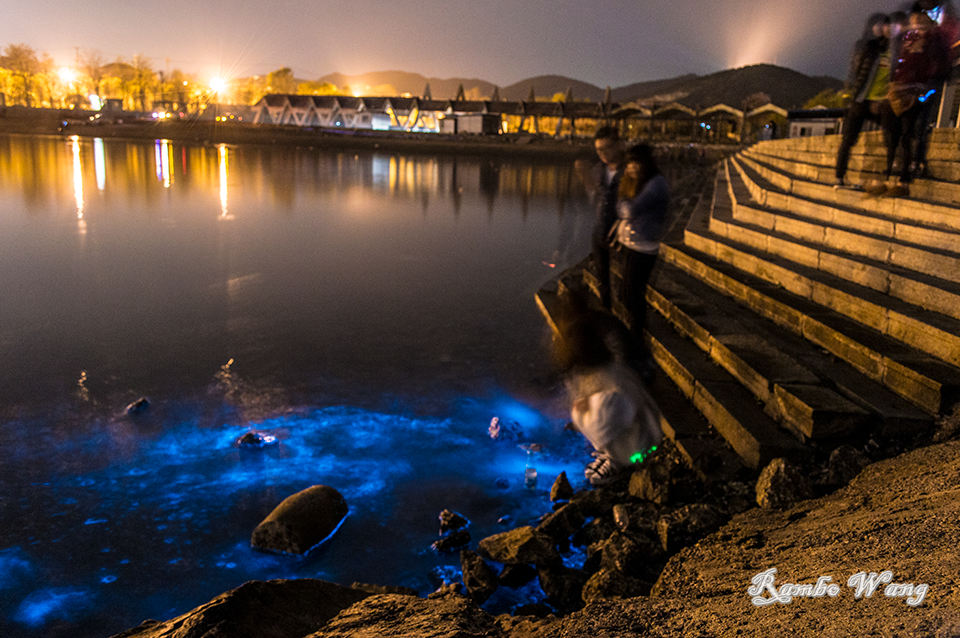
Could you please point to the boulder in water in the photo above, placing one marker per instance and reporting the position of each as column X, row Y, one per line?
column 302, row 521
column 139, row 406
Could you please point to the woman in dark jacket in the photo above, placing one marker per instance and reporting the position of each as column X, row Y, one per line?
column 866, row 85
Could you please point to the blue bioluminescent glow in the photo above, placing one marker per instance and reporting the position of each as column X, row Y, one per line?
column 49, row 604
column 179, row 505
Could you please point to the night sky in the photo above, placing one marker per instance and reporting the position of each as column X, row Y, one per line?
column 605, row 42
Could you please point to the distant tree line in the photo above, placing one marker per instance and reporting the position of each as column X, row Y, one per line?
column 31, row 79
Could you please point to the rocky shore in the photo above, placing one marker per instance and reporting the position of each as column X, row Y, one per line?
column 859, row 547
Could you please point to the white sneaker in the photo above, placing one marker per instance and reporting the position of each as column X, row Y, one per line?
column 600, row 470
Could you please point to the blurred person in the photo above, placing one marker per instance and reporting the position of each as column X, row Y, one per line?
column 602, row 182
column 947, row 28
column 608, row 403
column 866, row 85
column 919, row 56
column 644, row 198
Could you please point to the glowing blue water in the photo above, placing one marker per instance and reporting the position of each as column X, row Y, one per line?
column 371, row 311
column 168, row 527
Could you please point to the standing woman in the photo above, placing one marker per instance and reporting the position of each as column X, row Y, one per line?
column 867, row 87
column 642, row 219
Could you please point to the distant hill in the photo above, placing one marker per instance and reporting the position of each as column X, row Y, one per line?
column 786, row 88
column 390, row 83
column 545, row 86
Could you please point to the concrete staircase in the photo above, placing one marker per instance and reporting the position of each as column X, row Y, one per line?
column 793, row 316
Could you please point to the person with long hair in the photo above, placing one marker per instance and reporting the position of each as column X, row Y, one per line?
column 644, row 198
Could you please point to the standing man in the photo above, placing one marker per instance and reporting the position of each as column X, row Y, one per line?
column 603, row 182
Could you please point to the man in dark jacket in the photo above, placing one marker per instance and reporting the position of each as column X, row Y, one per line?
column 602, row 182
column 867, row 85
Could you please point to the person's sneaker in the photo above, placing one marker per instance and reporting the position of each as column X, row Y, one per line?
column 876, row 187
column 600, row 471
column 898, row 190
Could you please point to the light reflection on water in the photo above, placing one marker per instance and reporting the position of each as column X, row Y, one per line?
column 375, row 309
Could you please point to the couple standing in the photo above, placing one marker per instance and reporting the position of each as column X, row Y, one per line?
column 610, row 405
column 632, row 199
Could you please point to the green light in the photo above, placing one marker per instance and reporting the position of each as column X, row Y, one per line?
column 639, row 457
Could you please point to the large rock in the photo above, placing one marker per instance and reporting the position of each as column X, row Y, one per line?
column 520, row 545
column 650, row 483
column 687, row 525
column 781, row 484
column 396, row 616
column 611, row 583
column 562, row 524
column 302, row 521
column 563, row 586
column 478, row 577
column 845, row 463
column 629, row 554
column 561, row 490
column 266, row 609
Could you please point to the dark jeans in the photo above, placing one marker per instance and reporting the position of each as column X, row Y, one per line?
column 899, row 133
column 633, row 290
column 853, row 119
column 601, row 257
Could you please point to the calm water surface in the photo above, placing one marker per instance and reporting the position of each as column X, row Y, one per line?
column 373, row 311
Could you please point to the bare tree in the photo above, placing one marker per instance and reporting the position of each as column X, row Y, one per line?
column 23, row 62
column 92, row 65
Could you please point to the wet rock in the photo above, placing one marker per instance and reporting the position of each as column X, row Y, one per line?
column 479, row 578
column 139, row 406
column 520, row 545
column 781, row 484
column 267, row 609
column 390, row 615
column 599, row 529
column 651, row 483
column 844, row 464
column 301, row 521
column 628, row 554
column 735, row 497
column 517, row 575
column 500, row 430
column 502, row 484
column 450, row 520
column 561, row 524
column 562, row 585
column 687, row 525
column 595, row 502
column 446, row 590
column 635, row 517
column 611, row 584
column 561, row 490
column 256, row 440
column 452, row 541
column 384, row 589
column 532, row 609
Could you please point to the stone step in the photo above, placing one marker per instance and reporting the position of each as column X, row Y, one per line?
column 824, row 212
column 729, row 408
column 820, row 167
column 921, row 379
column 942, row 145
column 902, row 208
column 708, row 454
column 798, row 383
column 870, row 260
column 792, row 266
